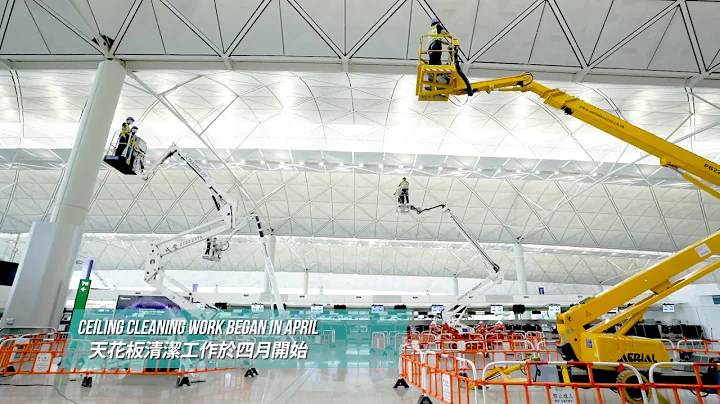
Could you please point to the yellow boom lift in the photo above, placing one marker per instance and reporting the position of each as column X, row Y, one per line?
column 579, row 338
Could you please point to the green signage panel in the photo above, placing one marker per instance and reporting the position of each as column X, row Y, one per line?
column 82, row 294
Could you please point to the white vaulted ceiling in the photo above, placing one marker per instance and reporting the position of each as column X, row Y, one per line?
column 323, row 152
column 641, row 38
column 321, row 141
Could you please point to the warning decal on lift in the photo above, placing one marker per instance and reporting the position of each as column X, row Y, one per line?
column 702, row 250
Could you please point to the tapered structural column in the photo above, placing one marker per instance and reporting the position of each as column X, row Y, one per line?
column 306, row 282
column 272, row 241
column 41, row 285
column 520, row 269
column 456, row 286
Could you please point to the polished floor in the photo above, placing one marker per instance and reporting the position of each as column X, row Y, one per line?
column 274, row 386
column 271, row 386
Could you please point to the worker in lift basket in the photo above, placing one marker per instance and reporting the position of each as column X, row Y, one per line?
column 131, row 141
column 436, row 45
column 125, row 130
column 403, row 191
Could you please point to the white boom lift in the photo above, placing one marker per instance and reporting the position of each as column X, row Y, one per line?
column 228, row 219
column 453, row 316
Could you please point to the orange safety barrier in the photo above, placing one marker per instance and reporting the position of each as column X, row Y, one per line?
column 681, row 394
column 454, row 379
column 61, row 356
column 438, row 375
column 530, row 390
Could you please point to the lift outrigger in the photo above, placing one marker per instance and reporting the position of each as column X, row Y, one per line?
column 580, row 340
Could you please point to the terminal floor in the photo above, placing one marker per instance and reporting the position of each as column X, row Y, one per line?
column 272, row 386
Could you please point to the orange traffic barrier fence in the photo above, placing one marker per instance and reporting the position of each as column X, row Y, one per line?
column 454, row 379
column 58, row 355
column 681, row 394
column 438, row 375
column 531, row 388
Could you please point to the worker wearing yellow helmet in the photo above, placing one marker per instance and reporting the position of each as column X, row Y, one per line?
column 403, row 191
column 436, row 46
column 124, row 136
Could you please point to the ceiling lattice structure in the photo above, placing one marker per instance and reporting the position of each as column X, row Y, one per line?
column 323, row 152
column 547, row 265
column 592, row 39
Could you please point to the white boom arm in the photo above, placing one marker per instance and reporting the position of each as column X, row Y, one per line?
column 227, row 220
column 453, row 315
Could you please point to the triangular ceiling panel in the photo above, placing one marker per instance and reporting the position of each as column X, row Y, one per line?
column 326, row 16
column 458, row 17
column 300, row 38
column 365, row 14
column 22, row 36
column 110, row 15
column 143, row 35
column 551, row 46
column 419, row 25
column 715, row 63
column 203, row 15
column 586, row 31
column 504, row 13
column 624, row 18
column 233, row 15
column 265, row 37
column 516, row 45
column 378, row 45
column 177, row 37
column 704, row 19
column 639, row 51
column 59, row 38
column 675, row 52
column 67, row 12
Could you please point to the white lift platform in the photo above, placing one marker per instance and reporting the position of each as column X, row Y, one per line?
column 227, row 220
column 453, row 316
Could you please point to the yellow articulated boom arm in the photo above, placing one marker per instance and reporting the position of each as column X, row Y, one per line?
column 592, row 344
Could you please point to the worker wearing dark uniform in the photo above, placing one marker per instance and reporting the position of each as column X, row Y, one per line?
column 436, row 42
column 125, row 130
column 403, row 191
column 436, row 46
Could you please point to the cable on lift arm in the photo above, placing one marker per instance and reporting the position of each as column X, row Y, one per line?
column 421, row 210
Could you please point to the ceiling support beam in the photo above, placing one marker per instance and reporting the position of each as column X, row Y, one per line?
column 124, row 27
column 693, row 36
column 505, row 30
column 568, row 33
column 580, row 76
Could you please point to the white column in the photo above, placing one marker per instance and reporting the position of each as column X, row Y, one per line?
column 456, row 286
column 306, row 282
column 76, row 190
column 41, row 286
column 520, row 269
column 272, row 241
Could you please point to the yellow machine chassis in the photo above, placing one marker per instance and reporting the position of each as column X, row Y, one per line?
column 592, row 344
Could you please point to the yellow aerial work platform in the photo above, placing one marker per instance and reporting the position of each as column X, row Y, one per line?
column 583, row 337
column 438, row 82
